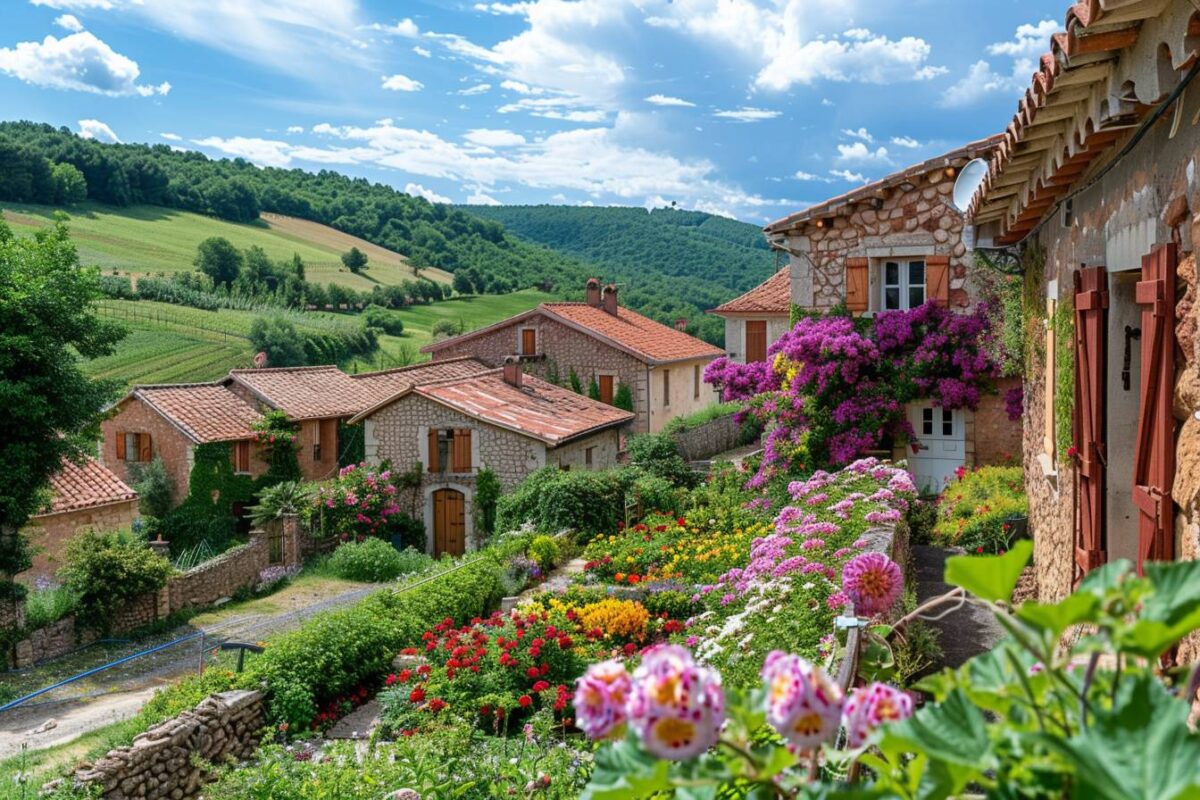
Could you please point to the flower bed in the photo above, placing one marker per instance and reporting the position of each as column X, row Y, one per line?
column 978, row 510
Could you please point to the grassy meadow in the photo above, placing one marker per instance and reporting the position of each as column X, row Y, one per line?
column 142, row 240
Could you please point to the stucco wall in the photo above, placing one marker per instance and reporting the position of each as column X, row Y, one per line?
column 735, row 333
column 49, row 534
column 683, row 398
column 573, row 455
column 310, row 432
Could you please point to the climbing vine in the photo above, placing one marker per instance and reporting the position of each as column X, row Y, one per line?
column 1064, row 372
column 275, row 436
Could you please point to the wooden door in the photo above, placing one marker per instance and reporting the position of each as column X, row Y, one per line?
column 858, row 284
column 1091, row 336
column 1154, row 454
column 606, row 388
column 528, row 341
column 449, row 523
column 756, row 340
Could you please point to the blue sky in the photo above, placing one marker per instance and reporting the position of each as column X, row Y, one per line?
column 748, row 108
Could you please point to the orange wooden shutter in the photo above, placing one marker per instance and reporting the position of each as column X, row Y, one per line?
column 462, row 450
column 528, row 342
column 120, row 445
column 606, row 388
column 434, row 465
column 145, row 451
column 858, row 284
column 1091, row 332
column 241, row 456
column 937, row 279
column 1154, row 456
column 756, row 340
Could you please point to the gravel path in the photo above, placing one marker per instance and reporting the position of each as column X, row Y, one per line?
column 964, row 633
column 118, row 693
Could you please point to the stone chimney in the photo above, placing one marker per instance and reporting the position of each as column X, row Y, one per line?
column 512, row 371
column 593, row 292
column 609, row 299
column 681, row 324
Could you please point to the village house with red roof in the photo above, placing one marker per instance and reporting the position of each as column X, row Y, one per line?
column 599, row 340
column 499, row 419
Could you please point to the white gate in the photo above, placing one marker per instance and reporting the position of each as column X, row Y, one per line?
column 939, row 447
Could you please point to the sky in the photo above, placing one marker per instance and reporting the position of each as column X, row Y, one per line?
column 747, row 108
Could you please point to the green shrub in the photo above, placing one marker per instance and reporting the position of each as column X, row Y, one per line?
column 974, row 511
column 105, row 570
column 658, row 454
column 552, row 500
column 659, row 494
column 375, row 561
column 487, row 494
column 695, row 419
column 46, row 606
column 387, row 321
column 544, row 550
column 281, row 500
column 623, row 399
column 154, row 486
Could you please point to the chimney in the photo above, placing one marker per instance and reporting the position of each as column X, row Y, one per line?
column 681, row 324
column 609, row 299
column 593, row 292
column 512, row 371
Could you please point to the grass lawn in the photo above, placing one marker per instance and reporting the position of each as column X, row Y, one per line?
column 142, row 240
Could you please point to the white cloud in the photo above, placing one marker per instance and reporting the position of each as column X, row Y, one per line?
column 479, row 198
column 417, row 190
column 504, row 8
column 520, row 88
column 746, row 114
column 402, row 83
column 667, row 100
column 984, row 80
column 421, row 51
column 847, row 175
column 491, row 137
column 906, row 141
column 479, row 88
column 79, row 62
column 95, row 129
column 75, row 5
column 825, row 101
column 171, row 137
column 295, row 129
column 263, row 152
column 560, row 107
column 405, row 27
column 877, row 59
column 69, row 22
column 801, row 175
column 861, row 133
column 859, row 153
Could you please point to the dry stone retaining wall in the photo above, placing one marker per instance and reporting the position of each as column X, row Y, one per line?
column 705, row 441
column 174, row 759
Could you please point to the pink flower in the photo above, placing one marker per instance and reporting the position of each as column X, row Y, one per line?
column 871, row 707
column 803, row 705
column 676, row 705
column 600, row 698
column 873, row 583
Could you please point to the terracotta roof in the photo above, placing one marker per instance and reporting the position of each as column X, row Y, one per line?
column 955, row 158
column 1101, row 78
column 205, row 412
column 305, row 392
column 86, row 485
column 387, row 383
column 772, row 296
column 536, row 409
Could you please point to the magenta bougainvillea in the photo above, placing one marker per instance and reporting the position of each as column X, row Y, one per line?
column 835, row 387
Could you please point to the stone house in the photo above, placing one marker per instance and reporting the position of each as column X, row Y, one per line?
column 502, row 420
column 602, row 341
column 1095, row 190
column 84, row 496
column 892, row 244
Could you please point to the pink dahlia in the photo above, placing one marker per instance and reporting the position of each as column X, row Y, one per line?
column 803, row 705
column 676, row 706
column 871, row 707
column 873, row 582
column 600, row 698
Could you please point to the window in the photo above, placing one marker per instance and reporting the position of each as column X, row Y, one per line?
column 450, row 450
column 605, row 382
column 756, row 340
column 135, row 447
column 241, row 457
column 696, row 381
column 528, row 341
column 666, row 387
column 316, row 429
column 589, row 456
column 903, row 285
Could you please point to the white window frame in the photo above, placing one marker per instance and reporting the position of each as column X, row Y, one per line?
column 904, row 273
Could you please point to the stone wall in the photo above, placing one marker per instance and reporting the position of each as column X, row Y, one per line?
column 707, row 440
column 605, row 447
column 49, row 534
column 175, row 759
column 220, row 577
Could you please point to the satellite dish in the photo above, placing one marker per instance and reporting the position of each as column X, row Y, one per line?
column 968, row 182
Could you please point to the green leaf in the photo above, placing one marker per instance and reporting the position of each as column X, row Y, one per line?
column 953, row 731
column 1104, row 579
column 624, row 771
column 1176, row 596
column 779, row 759
column 1054, row 618
column 990, row 578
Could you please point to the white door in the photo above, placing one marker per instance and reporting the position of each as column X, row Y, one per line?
column 939, row 446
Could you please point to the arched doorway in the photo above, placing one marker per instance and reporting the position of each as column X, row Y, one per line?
column 449, row 522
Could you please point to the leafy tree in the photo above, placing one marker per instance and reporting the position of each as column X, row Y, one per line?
column 387, row 321
column 624, row 397
column 298, row 266
column 277, row 337
column 154, row 486
column 217, row 258
column 658, row 454
column 70, row 187
column 462, row 283
column 105, row 570
column 355, row 260
column 51, row 409
column 446, row 328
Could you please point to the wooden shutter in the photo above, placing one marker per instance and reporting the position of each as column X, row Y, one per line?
column 121, row 453
column 858, row 284
column 666, row 386
column 1154, row 456
column 1091, row 335
column 756, row 340
column 462, row 450
column 937, row 279
column 145, row 451
column 528, row 342
column 605, row 383
column 696, row 381
column 241, row 456
column 434, row 465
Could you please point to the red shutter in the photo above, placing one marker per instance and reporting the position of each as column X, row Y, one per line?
column 937, row 279
column 145, row 451
column 434, row 466
column 1154, row 456
column 1091, row 335
column 858, row 284
column 120, row 445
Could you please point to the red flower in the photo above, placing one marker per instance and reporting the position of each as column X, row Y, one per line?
column 417, row 695
column 423, row 669
column 630, row 648
column 389, row 680
column 681, row 522
column 526, row 701
column 532, row 672
column 565, row 642
column 541, row 686
column 436, row 704
column 673, row 626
